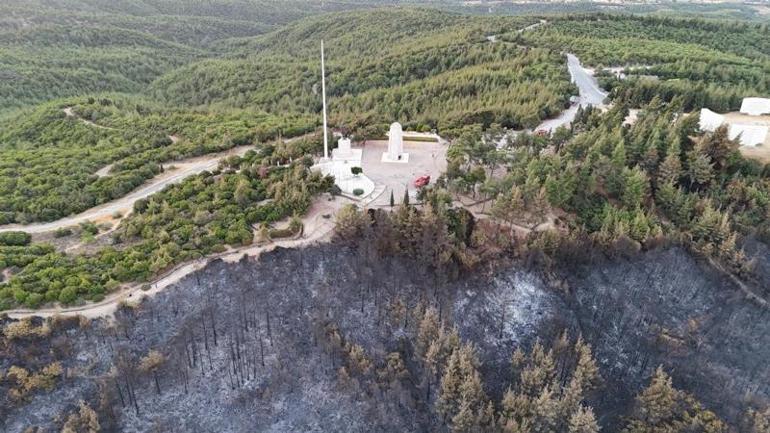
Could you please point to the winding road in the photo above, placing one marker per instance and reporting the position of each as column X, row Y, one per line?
column 589, row 92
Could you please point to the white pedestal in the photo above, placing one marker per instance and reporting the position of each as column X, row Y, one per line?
column 403, row 158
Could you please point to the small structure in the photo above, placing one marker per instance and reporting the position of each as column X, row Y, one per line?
column 395, row 152
column 751, row 131
column 344, row 152
column 755, row 106
column 710, row 121
column 749, row 135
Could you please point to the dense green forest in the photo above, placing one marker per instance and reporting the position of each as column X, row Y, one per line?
column 49, row 160
column 423, row 68
column 713, row 64
column 66, row 48
column 430, row 70
column 621, row 187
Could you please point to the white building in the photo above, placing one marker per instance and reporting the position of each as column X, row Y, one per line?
column 755, row 106
column 345, row 152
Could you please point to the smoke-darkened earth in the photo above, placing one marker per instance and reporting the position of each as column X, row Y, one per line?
column 246, row 345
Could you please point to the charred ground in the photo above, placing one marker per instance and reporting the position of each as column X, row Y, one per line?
column 251, row 345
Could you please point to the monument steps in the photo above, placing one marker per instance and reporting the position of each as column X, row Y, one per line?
column 378, row 191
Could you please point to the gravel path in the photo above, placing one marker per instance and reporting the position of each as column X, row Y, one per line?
column 318, row 227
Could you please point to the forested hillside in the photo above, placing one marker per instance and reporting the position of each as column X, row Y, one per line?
column 74, row 47
column 49, row 160
column 609, row 275
column 713, row 64
column 198, row 217
column 421, row 67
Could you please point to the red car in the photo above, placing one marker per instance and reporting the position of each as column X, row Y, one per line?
column 422, row 181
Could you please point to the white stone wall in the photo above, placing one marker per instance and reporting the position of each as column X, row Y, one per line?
column 755, row 106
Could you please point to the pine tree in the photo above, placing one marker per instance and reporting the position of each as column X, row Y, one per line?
column 545, row 411
column 583, row 421
column 85, row 420
column 700, row 169
column 465, row 420
column 671, row 168
column 586, row 369
column 428, row 331
column 663, row 408
column 392, row 199
column 656, row 405
column 756, row 421
column 540, row 372
column 635, row 188
column 451, row 381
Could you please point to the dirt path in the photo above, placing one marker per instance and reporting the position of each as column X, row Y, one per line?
column 104, row 171
column 181, row 170
column 70, row 113
column 533, row 26
column 318, row 226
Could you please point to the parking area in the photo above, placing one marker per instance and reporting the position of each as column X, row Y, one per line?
column 425, row 158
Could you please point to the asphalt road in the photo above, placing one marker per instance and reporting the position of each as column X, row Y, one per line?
column 589, row 94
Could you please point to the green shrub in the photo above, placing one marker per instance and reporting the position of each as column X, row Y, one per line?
column 358, row 191
column 62, row 232
column 421, row 139
column 89, row 228
column 15, row 239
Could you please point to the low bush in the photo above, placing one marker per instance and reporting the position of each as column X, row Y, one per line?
column 15, row 239
column 62, row 232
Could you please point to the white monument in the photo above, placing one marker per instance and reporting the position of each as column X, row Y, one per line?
column 343, row 157
column 343, row 145
column 344, row 152
column 395, row 152
column 755, row 106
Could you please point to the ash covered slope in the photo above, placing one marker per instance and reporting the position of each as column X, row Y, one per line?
column 666, row 308
column 212, row 330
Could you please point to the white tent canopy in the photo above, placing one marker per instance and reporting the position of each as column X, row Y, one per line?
column 755, row 106
column 750, row 135
column 709, row 120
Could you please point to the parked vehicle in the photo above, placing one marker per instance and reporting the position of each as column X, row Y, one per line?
column 422, row 181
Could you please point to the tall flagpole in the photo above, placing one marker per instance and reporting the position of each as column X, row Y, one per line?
column 323, row 91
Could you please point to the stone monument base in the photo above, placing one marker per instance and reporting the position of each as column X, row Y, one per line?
column 402, row 158
column 354, row 155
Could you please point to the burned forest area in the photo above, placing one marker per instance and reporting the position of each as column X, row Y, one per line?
column 327, row 339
